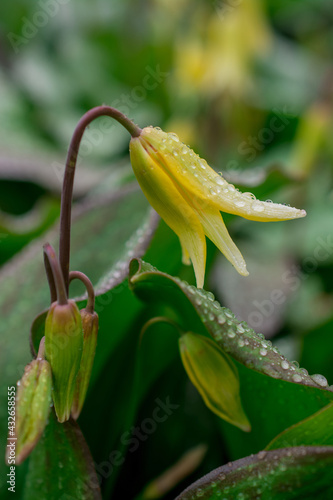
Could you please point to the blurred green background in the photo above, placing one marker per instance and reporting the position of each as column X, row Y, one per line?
column 248, row 84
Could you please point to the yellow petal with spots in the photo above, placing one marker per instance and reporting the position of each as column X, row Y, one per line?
column 165, row 198
column 198, row 179
column 216, row 231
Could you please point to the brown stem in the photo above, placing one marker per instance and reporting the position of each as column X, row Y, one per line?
column 41, row 349
column 160, row 319
column 50, row 279
column 89, row 287
column 57, row 276
column 67, row 190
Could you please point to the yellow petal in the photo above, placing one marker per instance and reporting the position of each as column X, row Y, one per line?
column 247, row 206
column 201, row 182
column 216, row 231
column 215, row 376
column 165, row 198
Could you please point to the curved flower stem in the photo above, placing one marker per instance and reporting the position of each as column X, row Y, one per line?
column 89, row 287
column 56, row 274
column 160, row 319
column 67, row 190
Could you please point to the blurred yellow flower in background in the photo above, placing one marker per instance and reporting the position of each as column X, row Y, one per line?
column 189, row 195
column 219, row 60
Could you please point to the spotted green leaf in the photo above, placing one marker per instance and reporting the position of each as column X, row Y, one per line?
column 302, row 473
column 275, row 393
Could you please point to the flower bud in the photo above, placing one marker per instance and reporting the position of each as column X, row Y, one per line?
column 215, row 376
column 32, row 407
column 90, row 330
column 63, row 349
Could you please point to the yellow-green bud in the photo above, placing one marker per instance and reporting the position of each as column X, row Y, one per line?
column 215, row 376
column 90, row 330
column 32, row 407
column 63, row 349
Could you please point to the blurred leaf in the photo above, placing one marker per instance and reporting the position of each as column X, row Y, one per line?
column 17, row 231
column 316, row 430
column 48, row 172
column 317, row 352
column 300, row 473
column 61, row 465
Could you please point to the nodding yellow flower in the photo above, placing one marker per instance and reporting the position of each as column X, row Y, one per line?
column 189, row 196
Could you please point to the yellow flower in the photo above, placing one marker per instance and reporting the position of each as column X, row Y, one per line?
column 189, row 196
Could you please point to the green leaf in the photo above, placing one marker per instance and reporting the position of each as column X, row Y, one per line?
column 61, row 466
column 302, row 473
column 275, row 393
column 235, row 337
column 316, row 430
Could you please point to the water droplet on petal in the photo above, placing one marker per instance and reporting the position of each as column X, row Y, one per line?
column 258, row 206
column 174, row 137
column 285, row 364
column 297, row 378
column 248, row 195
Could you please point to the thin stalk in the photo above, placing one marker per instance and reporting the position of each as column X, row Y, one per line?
column 67, row 190
column 56, row 274
column 160, row 319
column 50, row 279
column 89, row 287
column 41, row 349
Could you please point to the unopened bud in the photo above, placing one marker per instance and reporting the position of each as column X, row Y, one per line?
column 63, row 349
column 90, row 330
column 32, row 407
column 215, row 376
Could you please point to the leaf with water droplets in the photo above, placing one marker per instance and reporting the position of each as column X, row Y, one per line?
column 235, row 337
column 275, row 392
column 301, row 473
column 61, row 464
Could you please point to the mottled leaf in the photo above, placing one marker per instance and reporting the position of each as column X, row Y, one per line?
column 302, row 473
column 61, row 467
column 275, row 393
